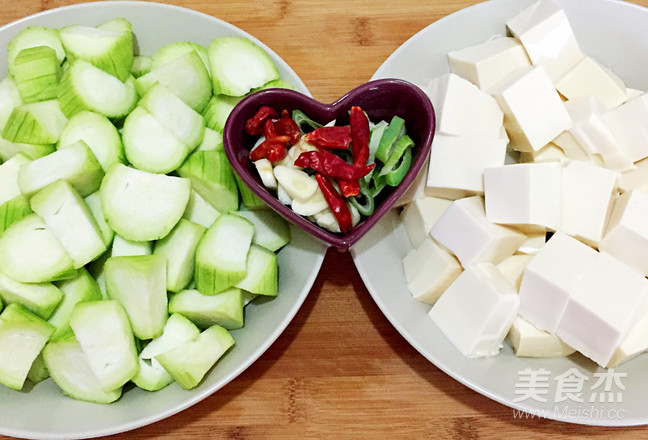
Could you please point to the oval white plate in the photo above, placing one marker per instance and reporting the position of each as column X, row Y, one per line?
column 614, row 33
column 43, row 412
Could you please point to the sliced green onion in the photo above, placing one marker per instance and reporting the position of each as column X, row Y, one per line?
column 394, row 177
column 374, row 141
column 389, row 137
column 364, row 202
column 379, row 183
column 301, row 119
column 403, row 144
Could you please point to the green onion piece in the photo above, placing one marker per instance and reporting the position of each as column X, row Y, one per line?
column 389, row 137
column 403, row 144
column 374, row 141
column 394, row 177
column 364, row 202
column 301, row 119
column 379, row 183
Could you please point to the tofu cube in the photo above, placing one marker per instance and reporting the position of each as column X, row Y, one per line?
column 477, row 310
column 587, row 192
column 419, row 216
column 534, row 242
column 549, row 153
column 636, row 178
column 549, row 279
column 605, row 304
column 626, row 237
column 590, row 78
column 466, row 232
column 545, row 32
column 524, row 194
column 457, row 163
column 635, row 343
column 513, row 268
column 594, row 136
column 528, row 340
column 534, row 114
column 629, row 124
column 571, row 148
column 488, row 63
column 429, row 270
column 462, row 109
column 633, row 93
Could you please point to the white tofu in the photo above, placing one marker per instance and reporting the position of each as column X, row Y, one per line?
column 416, row 189
column 572, row 149
column 549, row 153
column 462, row 109
column 590, row 78
column 488, row 63
column 593, row 134
column 534, row 242
column 545, row 32
column 626, row 237
column 466, row 232
column 634, row 344
column 636, row 178
column 549, row 279
column 477, row 310
column 528, row 340
column 534, row 114
column 605, row 304
column 524, row 194
column 504, row 134
column 457, row 163
column 513, row 268
column 629, row 124
column 429, row 270
column 633, row 93
column 587, row 192
column 419, row 216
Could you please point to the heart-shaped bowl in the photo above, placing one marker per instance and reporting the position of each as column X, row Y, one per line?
column 381, row 100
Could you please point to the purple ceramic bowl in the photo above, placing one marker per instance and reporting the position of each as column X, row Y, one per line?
column 380, row 99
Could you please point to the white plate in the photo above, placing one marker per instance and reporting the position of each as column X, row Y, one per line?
column 614, row 33
column 43, row 412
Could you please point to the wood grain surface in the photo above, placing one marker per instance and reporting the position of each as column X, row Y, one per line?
column 340, row 370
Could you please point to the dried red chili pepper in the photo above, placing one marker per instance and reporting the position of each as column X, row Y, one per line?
column 273, row 149
column 337, row 137
column 269, row 130
column 336, row 203
column 331, row 165
column 254, row 125
column 359, row 136
column 349, row 188
column 258, row 153
column 286, row 126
